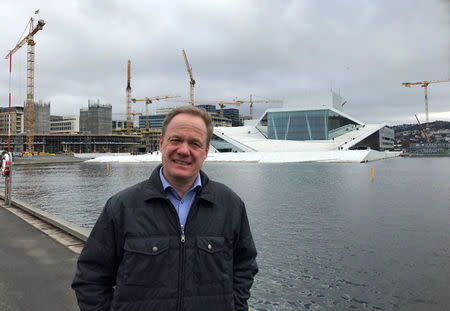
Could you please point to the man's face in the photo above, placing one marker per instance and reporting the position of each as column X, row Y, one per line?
column 183, row 148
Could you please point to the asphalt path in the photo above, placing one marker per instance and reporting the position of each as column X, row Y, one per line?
column 35, row 270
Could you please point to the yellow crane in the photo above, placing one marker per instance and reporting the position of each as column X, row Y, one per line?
column 128, row 90
column 192, row 81
column 424, row 84
column 251, row 101
column 29, row 106
column 148, row 101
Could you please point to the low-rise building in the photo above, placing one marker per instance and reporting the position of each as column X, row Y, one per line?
column 17, row 120
column 64, row 124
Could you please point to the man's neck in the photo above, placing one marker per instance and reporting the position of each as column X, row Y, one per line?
column 182, row 186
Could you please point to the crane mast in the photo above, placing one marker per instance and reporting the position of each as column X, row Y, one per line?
column 129, row 122
column 192, row 81
column 424, row 84
column 29, row 106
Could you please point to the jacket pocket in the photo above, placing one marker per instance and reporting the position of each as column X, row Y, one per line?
column 213, row 260
column 145, row 261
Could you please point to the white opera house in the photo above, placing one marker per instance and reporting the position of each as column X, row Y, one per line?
column 313, row 129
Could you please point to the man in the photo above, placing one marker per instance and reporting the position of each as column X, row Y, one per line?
column 177, row 241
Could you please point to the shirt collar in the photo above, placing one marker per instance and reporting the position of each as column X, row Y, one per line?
column 165, row 183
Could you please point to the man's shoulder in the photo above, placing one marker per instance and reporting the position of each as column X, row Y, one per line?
column 137, row 192
column 221, row 192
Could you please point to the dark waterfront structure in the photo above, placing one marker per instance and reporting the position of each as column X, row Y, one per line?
column 76, row 143
column 429, row 149
column 155, row 121
column 233, row 115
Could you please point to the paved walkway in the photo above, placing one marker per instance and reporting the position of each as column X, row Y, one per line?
column 35, row 270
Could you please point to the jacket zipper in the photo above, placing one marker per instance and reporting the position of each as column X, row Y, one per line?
column 182, row 255
column 182, row 231
column 181, row 269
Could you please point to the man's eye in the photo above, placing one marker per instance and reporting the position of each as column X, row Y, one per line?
column 175, row 140
column 196, row 144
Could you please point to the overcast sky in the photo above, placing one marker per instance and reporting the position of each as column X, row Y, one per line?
column 280, row 49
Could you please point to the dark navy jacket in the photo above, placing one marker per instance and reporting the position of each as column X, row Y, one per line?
column 137, row 257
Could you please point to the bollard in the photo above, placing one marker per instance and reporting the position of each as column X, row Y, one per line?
column 373, row 177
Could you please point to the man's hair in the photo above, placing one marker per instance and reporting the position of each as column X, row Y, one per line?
column 199, row 112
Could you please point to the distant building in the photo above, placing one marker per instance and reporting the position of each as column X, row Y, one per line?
column 96, row 119
column 64, row 124
column 208, row 108
column 429, row 149
column 233, row 115
column 42, row 118
column 84, row 116
column 17, row 120
column 156, row 120
column 119, row 125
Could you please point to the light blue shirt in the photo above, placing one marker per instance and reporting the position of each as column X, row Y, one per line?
column 182, row 205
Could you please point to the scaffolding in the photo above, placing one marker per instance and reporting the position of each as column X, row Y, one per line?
column 41, row 117
column 96, row 119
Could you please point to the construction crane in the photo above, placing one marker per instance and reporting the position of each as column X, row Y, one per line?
column 423, row 131
column 128, row 89
column 251, row 101
column 424, row 84
column 148, row 101
column 29, row 106
column 192, row 81
column 221, row 103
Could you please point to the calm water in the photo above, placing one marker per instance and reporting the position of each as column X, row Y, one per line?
column 328, row 237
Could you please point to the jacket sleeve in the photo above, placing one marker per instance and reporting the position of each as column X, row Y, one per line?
column 97, row 265
column 244, row 266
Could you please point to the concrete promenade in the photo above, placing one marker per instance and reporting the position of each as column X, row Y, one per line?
column 35, row 270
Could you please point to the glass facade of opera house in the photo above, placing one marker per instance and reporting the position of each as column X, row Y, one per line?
column 303, row 125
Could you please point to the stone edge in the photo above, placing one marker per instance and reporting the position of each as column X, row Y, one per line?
column 71, row 229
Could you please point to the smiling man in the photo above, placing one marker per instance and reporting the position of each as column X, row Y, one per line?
column 177, row 241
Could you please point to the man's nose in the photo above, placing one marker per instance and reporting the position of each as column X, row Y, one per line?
column 183, row 148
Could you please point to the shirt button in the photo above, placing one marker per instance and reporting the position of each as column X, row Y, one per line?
column 182, row 201
column 209, row 246
column 155, row 248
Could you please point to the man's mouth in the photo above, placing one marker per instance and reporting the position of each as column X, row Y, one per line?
column 181, row 162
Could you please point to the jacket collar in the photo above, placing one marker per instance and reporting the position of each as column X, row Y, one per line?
column 153, row 187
